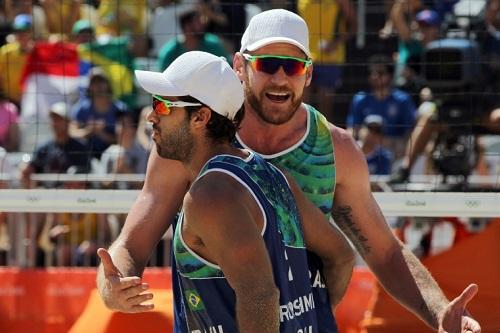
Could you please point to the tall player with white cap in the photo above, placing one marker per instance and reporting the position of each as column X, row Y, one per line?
column 274, row 66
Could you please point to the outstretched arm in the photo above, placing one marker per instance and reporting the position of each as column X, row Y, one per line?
column 328, row 243
column 222, row 215
column 149, row 218
column 398, row 270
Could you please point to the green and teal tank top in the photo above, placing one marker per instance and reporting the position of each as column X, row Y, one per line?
column 311, row 161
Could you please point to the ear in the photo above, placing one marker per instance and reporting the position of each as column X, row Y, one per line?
column 201, row 118
column 309, row 74
column 239, row 66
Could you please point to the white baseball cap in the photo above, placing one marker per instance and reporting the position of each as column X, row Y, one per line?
column 61, row 109
column 276, row 26
column 201, row 75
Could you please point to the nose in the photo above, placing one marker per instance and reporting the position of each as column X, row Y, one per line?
column 280, row 77
column 152, row 117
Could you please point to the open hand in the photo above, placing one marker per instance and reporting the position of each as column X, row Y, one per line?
column 455, row 318
column 125, row 294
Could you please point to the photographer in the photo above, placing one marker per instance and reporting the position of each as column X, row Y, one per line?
column 463, row 103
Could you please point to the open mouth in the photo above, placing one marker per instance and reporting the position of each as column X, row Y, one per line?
column 278, row 97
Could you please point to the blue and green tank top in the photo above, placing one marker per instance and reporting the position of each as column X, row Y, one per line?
column 311, row 162
column 204, row 301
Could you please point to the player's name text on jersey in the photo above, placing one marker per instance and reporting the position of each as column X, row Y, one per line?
column 296, row 307
column 318, row 280
column 211, row 329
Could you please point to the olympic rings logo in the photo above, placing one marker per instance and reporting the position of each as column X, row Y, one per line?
column 472, row 203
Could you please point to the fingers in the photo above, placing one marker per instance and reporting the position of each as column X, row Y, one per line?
column 142, row 308
column 466, row 296
column 139, row 299
column 107, row 263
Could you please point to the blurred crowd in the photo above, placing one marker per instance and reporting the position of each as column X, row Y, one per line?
column 69, row 103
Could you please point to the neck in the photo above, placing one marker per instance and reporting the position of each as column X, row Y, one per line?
column 201, row 155
column 61, row 138
column 381, row 93
column 191, row 41
column 272, row 139
column 369, row 146
column 127, row 142
column 101, row 105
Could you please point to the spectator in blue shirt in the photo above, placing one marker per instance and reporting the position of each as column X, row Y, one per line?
column 379, row 159
column 94, row 115
column 394, row 106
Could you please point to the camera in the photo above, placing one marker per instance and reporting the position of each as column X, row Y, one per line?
column 451, row 68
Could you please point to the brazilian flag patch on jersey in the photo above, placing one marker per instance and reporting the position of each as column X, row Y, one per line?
column 194, row 300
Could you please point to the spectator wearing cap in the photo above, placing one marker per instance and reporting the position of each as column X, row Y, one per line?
column 193, row 38
column 331, row 23
column 82, row 32
column 415, row 30
column 378, row 158
column 394, row 106
column 59, row 153
column 13, row 57
column 53, row 156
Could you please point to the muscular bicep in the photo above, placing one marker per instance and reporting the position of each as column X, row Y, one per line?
column 222, row 214
column 355, row 210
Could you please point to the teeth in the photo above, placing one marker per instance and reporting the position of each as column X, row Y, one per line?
column 278, row 93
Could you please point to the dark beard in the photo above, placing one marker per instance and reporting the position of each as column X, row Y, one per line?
column 176, row 145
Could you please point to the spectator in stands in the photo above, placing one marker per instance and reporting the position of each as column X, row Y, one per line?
column 426, row 133
column 371, row 135
column 60, row 15
column 94, row 115
column 76, row 236
column 124, row 17
column 53, row 156
column 227, row 19
column 193, row 38
column 164, row 23
column 115, row 56
column 13, row 56
column 82, row 32
column 5, row 172
column 394, row 106
column 488, row 36
column 428, row 128
column 127, row 156
column 12, row 8
column 331, row 23
column 9, row 128
column 415, row 30
column 59, row 153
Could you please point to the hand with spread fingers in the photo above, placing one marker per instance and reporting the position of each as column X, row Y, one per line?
column 455, row 317
column 119, row 293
